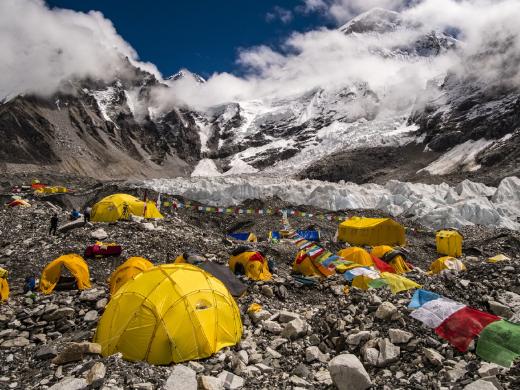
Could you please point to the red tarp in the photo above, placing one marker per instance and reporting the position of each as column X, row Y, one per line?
column 102, row 250
column 382, row 266
column 462, row 326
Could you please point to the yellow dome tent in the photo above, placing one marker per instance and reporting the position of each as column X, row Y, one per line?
column 393, row 257
column 121, row 206
column 371, row 231
column 357, row 255
column 126, row 271
column 303, row 265
column 52, row 272
column 447, row 263
column 4, row 286
column 449, row 243
column 252, row 264
column 169, row 313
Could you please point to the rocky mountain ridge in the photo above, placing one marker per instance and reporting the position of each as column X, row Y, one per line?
column 116, row 130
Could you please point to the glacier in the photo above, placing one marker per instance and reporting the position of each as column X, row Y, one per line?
column 434, row 206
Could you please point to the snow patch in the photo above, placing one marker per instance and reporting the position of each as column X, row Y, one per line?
column 206, row 168
column 238, row 167
column 104, row 98
column 460, row 157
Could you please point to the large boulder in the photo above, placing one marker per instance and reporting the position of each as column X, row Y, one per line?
column 348, row 373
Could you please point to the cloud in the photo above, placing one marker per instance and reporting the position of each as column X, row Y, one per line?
column 278, row 13
column 343, row 10
column 41, row 48
column 327, row 58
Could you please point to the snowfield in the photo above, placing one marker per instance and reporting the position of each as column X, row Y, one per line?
column 435, row 206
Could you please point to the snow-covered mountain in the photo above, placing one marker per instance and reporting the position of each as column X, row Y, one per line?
column 346, row 131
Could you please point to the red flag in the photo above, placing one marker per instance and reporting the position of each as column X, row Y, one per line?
column 463, row 325
column 382, row 266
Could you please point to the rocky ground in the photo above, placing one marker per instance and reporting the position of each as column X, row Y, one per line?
column 302, row 338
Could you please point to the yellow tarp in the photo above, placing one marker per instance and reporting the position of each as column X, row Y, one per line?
column 398, row 263
column 498, row 258
column 303, row 265
column 4, row 286
column 169, row 313
column 52, row 272
column 126, row 271
column 121, row 206
column 449, row 243
column 446, row 263
column 253, row 265
column 357, row 255
column 371, row 231
column 398, row 283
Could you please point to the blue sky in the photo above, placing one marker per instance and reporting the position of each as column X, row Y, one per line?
column 201, row 35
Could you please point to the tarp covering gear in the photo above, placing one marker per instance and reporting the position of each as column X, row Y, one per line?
column 250, row 237
column 447, row 263
column 4, row 286
column 499, row 343
column 121, row 206
column 103, row 249
column 19, row 202
column 393, row 256
column 462, row 326
column 250, row 263
column 254, row 308
column 224, row 274
column 449, row 243
column 498, row 258
column 304, row 265
column 190, row 258
column 357, row 255
column 420, row 297
column 311, row 235
column 371, row 231
column 52, row 272
column 398, row 283
column 274, row 236
column 126, row 271
column 169, row 313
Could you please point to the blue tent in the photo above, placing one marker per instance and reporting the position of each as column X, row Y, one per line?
column 243, row 236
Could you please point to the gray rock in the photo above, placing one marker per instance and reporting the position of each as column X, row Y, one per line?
column 99, row 234
column 348, row 373
column 59, row 313
column 313, row 353
column 267, row 291
column 294, row 329
column 101, row 304
column 287, row 316
column 398, row 336
column 388, row 353
column 433, row 356
column 96, row 374
column 488, row 369
column 385, row 311
column 17, row 342
column 260, row 315
column 358, row 338
column 181, row 378
column 91, row 316
column 70, row 383
column 500, row 309
column 210, row 383
column 231, row 381
column 272, row 327
column 481, row 384
column 46, row 352
column 91, row 295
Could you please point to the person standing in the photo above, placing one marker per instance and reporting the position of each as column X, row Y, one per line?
column 54, row 224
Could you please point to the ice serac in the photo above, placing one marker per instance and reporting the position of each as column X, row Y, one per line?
column 435, row 206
